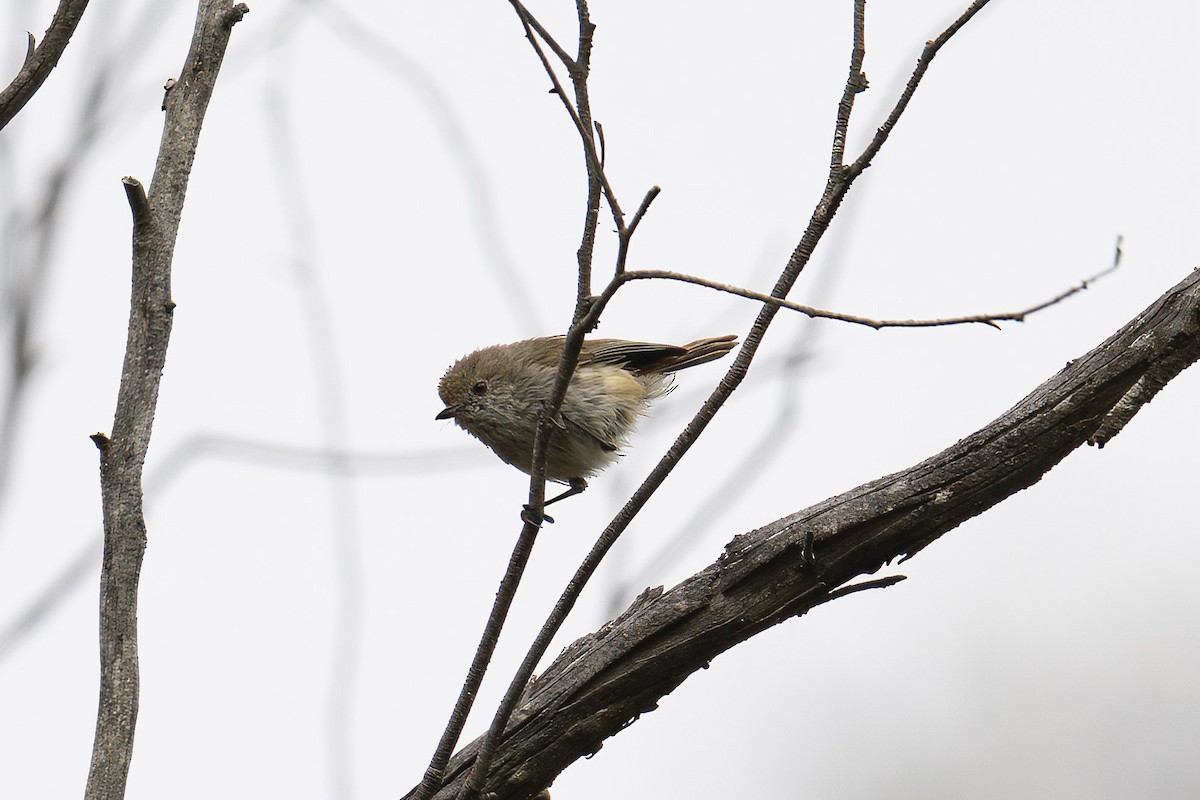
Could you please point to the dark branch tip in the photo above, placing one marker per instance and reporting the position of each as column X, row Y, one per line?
column 100, row 440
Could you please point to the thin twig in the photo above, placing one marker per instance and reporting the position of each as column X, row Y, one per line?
column 604, row 680
column 587, row 312
column 581, row 125
column 572, row 345
column 836, row 186
column 855, row 83
column 483, row 655
column 931, row 49
column 533, row 22
column 625, row 236
column 991, row 320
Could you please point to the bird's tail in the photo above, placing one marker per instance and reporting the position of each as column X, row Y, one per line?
column 698, row 352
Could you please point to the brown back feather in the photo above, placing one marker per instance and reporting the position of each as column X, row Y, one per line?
column 644, row 357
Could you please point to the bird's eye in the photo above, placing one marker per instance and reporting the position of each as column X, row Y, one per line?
column 479, row 388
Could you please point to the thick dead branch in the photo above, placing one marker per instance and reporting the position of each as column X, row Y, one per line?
column 156, row 223
column 604, row 681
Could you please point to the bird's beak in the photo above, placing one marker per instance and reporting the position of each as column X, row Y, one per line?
column 448, row 412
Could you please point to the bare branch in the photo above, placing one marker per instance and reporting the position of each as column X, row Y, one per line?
column 856, row 82
column 931, row 49
column 587, row 312
column 532, row 21
column 816, row 313
column 41, row 60
column 836, row 186
column 582, row 121
column 625, row 236
column 435, row 773
column 604, row 681
column 156, row 223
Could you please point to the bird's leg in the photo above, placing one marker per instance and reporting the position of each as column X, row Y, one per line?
column 527, row 515
column 577, row 487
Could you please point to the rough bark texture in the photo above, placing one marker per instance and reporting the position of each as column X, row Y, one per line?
column 156, row 224
column 605, row 680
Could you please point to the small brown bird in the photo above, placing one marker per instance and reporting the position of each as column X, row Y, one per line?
column 495, row 394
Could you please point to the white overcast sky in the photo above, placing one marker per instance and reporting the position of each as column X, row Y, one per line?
column 382, row 187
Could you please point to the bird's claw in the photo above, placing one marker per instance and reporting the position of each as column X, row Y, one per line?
column 529, row 517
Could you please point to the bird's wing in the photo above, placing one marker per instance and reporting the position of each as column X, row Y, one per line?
column 636, row 356
column 592, row 433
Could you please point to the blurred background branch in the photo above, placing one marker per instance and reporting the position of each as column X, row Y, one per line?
column 41, row 59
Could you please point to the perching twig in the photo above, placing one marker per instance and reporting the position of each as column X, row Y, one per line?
column 837, row 185
column 603, row 681
column 156, row 223
column 587, row 312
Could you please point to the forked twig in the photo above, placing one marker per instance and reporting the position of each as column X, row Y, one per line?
column 838, row 183
column 587, row 312
column 578, row 72
column 926, row 58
